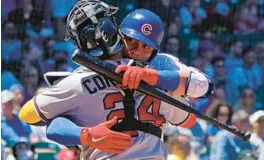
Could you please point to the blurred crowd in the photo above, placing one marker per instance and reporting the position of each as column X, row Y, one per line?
column 223, row 38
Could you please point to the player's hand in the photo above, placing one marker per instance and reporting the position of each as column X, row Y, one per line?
column 101, row 137
column 133, row 75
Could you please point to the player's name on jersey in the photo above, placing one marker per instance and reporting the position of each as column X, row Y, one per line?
column 96, row 83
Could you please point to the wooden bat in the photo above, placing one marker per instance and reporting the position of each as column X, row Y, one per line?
column 107, row 69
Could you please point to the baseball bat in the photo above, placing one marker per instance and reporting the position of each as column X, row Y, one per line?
column 107, row 69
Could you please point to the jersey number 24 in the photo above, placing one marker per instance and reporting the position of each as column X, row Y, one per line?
column 142, row 111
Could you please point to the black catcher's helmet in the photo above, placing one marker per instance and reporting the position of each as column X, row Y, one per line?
column 91, row 24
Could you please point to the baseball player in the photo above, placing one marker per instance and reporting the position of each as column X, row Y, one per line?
column 82, row 107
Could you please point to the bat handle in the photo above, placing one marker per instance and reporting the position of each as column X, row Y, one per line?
column 246, row 136
column 242, row 134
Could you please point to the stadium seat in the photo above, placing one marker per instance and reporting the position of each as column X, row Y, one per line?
column 45, row 151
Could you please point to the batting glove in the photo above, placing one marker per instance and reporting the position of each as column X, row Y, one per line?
column 133, row 75
column 104, row 139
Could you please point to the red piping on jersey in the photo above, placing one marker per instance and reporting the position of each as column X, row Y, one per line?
column 38, row 110
column 188, row 122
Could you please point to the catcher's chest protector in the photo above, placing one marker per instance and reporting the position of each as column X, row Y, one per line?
column 130, row 123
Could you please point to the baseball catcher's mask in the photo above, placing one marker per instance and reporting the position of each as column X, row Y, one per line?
column 91, row 24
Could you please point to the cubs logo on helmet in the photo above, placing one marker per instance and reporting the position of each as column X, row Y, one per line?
column 145, row 26
column 146, row 29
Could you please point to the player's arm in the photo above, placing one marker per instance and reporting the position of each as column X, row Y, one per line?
column 190, row 82
column 57, row 100
column 64, row 131
column 165, row 79
column 169, row 74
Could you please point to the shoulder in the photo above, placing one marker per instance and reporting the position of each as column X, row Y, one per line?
column 165, row 56
column 75, row 78
column 164, row 60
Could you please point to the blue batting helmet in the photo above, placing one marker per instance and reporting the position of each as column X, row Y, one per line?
column 144, row 26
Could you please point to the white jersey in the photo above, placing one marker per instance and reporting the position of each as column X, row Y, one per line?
column 89, row 99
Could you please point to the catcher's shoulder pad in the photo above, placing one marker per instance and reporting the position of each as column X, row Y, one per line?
column 52, row 78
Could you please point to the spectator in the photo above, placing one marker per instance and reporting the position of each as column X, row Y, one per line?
column 206, row 51
column 221, row 78
column 234, row 58
column 59, row 11
column 259, row 98
column 260, row 58
column 13, row 130
column 229, row 146
column 47, row 63
column 68, row 47
column 247, row 75
column 11, row 46
column 223, row 113
column 261, row 26
column 3, row 149
column 172, row 46
column 247, row 101
column 247, row 20
column 30, row 78
column 222, row 8
column 26, row 14
column 194, row 135
column 198, row 63
column 7, row 77
column 257, row 137
column 193, row 14
column 19, row 91
column 33, row 52
column 23, row 151
column 61, row 61
column 7, row 7
column 207, row 105
column 180, row 148
column 38, row 32
column 166, row 9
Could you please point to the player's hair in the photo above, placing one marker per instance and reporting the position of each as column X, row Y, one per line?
column 217, row 59
column 217, row 111
column 246, row 50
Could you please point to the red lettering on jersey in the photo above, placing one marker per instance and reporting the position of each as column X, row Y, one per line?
column 143, row 113
column 154, row 115
column 111, row 98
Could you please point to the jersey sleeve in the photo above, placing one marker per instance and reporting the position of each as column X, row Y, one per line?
column 165, row 62
column 196, row 84
column 179, row 117
column 57, row 100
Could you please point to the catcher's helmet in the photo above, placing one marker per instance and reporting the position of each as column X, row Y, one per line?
column 145, row 26
column 91, row 24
